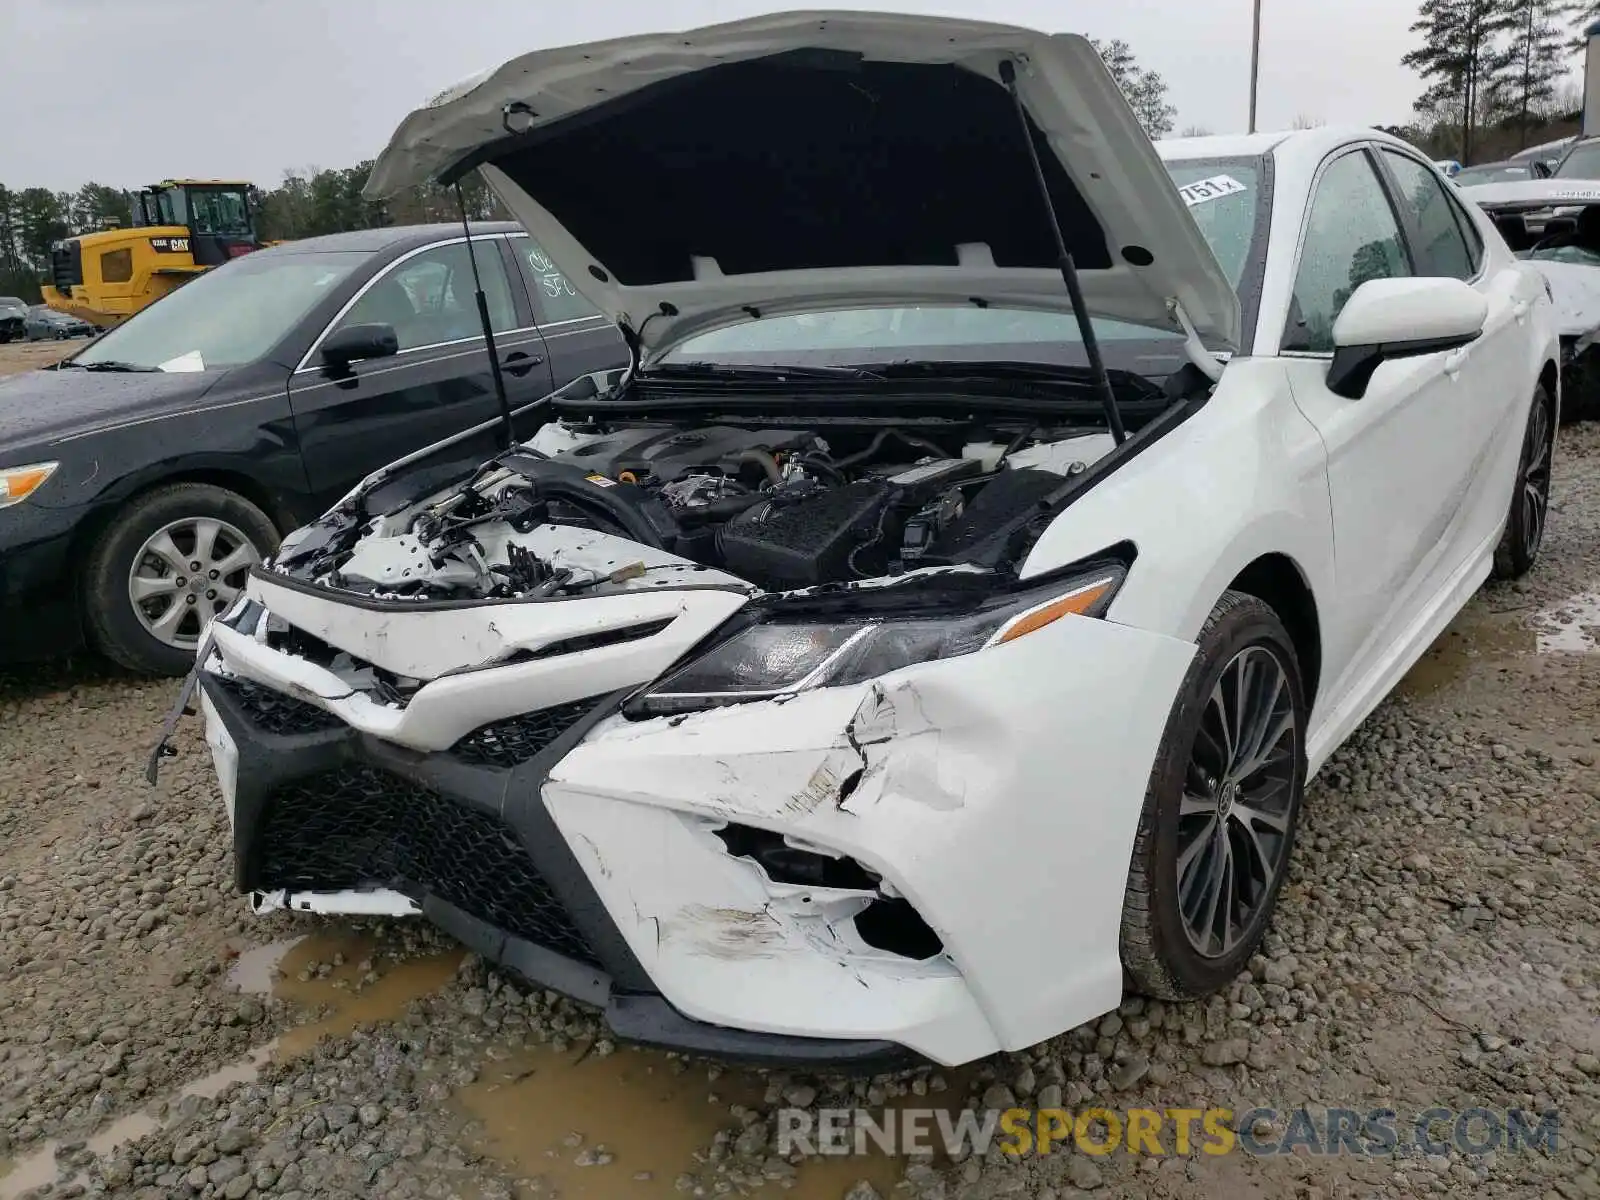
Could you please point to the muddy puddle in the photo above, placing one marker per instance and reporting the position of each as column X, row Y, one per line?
column 1481, row 639
column 631, row 1123
column 335, row 976
column 341, row 974
column 1571, row 627
column 579, row 1124
column 39, row 1168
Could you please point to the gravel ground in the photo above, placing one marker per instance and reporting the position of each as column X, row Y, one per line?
column 1436, row 945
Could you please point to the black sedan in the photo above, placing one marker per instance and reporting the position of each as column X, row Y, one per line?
column 142, row 477
column 46, row 324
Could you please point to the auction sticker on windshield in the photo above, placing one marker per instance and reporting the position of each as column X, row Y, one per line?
column 1210, row 189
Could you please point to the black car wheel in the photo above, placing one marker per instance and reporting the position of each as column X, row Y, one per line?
column 172, row 560
column 1530, row 500
column 1218, row 824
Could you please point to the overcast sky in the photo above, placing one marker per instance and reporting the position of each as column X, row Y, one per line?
column 127, row 92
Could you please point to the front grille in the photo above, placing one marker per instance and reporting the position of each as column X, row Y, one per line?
column 358, row 826
column 274, row 713
column 515, row 740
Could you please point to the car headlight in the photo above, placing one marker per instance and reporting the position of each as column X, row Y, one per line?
column 780, row 657
column 18, row 483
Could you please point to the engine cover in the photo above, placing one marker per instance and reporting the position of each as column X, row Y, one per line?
column 831, row 535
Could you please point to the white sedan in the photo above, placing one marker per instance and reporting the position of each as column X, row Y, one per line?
column 937, row 626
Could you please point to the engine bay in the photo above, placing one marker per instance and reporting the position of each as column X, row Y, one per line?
column 777, row 508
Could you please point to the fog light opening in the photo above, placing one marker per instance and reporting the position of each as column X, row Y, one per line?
column 784, row 863
column 895, row 926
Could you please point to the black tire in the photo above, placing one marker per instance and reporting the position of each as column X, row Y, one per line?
column 1158, row 955
column 114, row 625
column 1530, row 498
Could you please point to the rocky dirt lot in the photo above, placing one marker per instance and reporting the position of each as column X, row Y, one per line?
column 1438, row 945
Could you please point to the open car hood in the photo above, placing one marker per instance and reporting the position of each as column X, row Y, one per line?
column 802, row 161
column 1534, row 191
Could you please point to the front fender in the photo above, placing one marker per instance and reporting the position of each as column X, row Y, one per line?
column 1244, row 477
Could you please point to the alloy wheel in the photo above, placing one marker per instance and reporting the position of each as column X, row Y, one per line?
column 1534, row 502
column 1237, row 805
column 185, row 574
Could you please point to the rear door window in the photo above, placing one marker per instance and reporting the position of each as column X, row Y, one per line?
column 553, row 293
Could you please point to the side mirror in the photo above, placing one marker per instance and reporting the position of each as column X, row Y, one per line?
column 1540, row 169
column 354, row 343
column 1400, row 318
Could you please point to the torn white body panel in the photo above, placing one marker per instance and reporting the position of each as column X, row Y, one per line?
column 944, row 778
column 1575, row 294
column 450, row 705
column 374, row 903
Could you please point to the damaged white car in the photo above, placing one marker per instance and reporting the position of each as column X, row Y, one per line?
column 935, row 628
column 1553, row 223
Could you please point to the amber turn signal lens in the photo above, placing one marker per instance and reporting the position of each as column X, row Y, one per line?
column 1074, row 603
column 18, row 483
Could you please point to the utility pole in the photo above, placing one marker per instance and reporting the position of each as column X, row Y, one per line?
column 1255, row 62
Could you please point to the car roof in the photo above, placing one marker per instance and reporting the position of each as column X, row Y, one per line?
column 1308, row 146
column 370, row 241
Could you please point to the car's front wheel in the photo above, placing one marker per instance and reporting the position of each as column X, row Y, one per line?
column 172, row 560
column 1218, row 823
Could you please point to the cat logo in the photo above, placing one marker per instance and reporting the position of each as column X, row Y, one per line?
column 176, row 245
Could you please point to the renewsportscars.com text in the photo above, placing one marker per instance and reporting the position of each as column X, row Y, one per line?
column 1177, row 1131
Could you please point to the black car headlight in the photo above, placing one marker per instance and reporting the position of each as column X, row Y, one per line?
column 779, row 657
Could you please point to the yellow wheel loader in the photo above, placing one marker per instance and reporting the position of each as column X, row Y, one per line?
column 181, row 228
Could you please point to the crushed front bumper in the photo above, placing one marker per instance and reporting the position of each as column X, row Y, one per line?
column 318, row 807
column 989, row 802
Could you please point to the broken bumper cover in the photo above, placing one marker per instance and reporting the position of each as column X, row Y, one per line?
column 991, row 801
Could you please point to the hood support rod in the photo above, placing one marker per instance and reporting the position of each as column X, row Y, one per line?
column 1069, row 269
column 508, row 431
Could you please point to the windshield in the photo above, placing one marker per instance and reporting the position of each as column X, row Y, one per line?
column 1223, row 195
column 222, row 213
column 226, row 317
column 1581, row 162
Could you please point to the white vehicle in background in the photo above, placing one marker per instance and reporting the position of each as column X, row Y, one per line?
column 900, row 656
column 1552, row 220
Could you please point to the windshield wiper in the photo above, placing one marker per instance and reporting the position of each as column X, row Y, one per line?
column 109, row 364
column 955, row 370
column 761, row 371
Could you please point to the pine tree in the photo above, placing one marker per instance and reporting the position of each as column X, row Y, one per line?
column 1534, row 61
column 1463, row 51
column 1145, row 89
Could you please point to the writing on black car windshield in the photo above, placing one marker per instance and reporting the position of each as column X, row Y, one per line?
column 1222, row 196
column 225, row 318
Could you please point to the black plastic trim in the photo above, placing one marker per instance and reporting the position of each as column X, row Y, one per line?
column 652, row 1021
column 1353, row 366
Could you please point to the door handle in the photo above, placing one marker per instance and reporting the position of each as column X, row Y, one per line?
column 1454, row 361
column 519, row 363
column 1519, row 310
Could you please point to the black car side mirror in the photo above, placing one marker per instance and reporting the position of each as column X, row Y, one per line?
column 1539, row 169
column 354, row 343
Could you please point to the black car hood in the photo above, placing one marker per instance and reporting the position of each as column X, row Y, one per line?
column 38, row 407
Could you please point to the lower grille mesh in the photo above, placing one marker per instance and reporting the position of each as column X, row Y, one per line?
column 515, row 740
column 361, row 827
column 275, row 713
